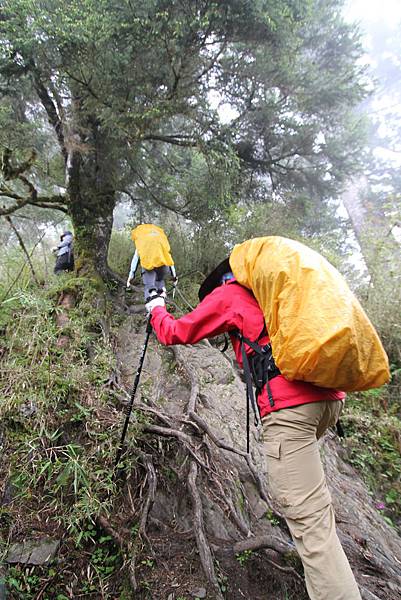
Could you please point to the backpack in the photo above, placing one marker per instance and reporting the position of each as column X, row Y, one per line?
column 318, row 330
column 152, row 246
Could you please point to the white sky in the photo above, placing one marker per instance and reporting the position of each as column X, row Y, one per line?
column 362, row 11
column 366, row 13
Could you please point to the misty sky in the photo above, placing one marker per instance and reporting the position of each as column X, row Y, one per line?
column 381, row 19
column 370, row 11
column 380, row 23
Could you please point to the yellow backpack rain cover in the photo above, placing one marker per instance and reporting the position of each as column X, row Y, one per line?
column 152, row 246
column 318, row 330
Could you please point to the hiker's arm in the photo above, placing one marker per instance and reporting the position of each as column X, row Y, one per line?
column 211, row 317
column 172, row 271
column 134, row 266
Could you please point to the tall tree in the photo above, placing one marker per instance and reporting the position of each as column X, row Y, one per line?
column 122, row 83
column 372, row 199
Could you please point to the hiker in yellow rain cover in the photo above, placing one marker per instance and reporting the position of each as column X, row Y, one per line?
column 153, row 252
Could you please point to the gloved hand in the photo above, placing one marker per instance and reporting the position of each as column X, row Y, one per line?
column 128, row 282
column 157, row 301
column 175, row 281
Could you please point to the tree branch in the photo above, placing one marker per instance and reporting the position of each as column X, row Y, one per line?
column 155, row 198
column 13, row 172
column 20, row 271
column 10, row 172
column 49, row 204
column 212, row 62
column 177, row 140
column 50, row 108
column 23, row 248
column 11, row 209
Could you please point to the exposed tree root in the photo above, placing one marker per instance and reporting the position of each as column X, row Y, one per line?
column 202, row 450
column 150, row 498
column 152, row 486
column 222, row 444
column 180, row 435
column 104, row 523
column 191, row 407
column 289, row 570
column 263, row 541
column 200, row 536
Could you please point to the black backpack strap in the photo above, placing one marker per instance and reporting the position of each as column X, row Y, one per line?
column 258, row 369
column 250, row 396
column 267, row 367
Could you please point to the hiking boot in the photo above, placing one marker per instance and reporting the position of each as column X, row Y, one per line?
column 152, row 294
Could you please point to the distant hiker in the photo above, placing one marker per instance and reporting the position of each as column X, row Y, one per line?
column 295, row 414
column 65, row 253
column 153, row 252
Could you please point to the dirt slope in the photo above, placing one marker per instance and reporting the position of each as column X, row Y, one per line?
column 205, row 504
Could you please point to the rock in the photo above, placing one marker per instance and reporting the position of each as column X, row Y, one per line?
column 33, row 552
column 199, row 593
column 28, row 409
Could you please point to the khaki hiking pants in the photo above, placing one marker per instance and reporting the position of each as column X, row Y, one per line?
column 298, row 484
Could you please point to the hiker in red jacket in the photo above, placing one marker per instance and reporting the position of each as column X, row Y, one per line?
column 295, row 414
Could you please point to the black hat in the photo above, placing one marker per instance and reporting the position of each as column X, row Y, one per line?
column 213, row 280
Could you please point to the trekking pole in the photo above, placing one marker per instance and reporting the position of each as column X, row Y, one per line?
column 131, row 402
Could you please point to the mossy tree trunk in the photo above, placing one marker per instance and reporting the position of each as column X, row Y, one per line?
column 91, row 191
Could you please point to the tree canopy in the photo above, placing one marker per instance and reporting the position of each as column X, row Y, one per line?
column 190, row 105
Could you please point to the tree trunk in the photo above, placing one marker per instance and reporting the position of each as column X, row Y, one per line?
column 372, row 229
column 91, row 190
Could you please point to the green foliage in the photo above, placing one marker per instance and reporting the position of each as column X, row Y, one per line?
column 373, row 435
column 121, row 251
column 272, row 517
column 183, row 110
column 104, row 561
column 59, row 431
column 382, row 300
column 38, row 368
column 243, row 557
column 23, row 581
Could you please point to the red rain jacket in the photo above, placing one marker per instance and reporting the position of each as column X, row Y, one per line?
column 233, row 307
